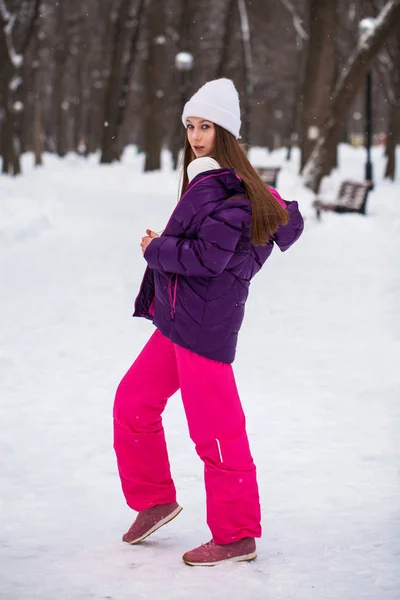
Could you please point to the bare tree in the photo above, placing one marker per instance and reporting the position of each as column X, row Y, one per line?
column 346, row 88
column 181, row 78
column 301, row 38
column 37, row 92
column 61, row 104
column 319, row 73
column 11, row 62
column 228, row 33
column 127, row 27
column 155, row 79
column 247, row 62
column 388, row 72
column 135, row 23
column 108, row 146
column 100, row 74
column 97, row 71
column 393, row 97
column 394, row 124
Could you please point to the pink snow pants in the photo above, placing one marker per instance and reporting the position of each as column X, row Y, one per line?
column 216, row 426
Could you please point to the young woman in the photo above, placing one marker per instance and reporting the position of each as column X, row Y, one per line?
column 194, row 291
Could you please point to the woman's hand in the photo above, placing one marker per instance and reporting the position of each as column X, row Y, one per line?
column 147, row 239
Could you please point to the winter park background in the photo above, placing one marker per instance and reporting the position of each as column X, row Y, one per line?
column 318, row 356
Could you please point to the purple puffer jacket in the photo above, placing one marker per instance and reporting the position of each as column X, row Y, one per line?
column 199, row 271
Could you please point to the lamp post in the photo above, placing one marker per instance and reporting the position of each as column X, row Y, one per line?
column 183, row 64
column 366, row 26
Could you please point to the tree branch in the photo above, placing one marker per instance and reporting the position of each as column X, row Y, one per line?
column 297, row 21
column 7, row 23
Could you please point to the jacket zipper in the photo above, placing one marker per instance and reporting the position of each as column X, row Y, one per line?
column 172, row 293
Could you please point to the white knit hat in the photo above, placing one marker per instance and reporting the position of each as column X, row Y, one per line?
column 218, row 102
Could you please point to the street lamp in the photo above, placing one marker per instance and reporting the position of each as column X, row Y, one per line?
column 366, row 26
column 183, row 64
column 184, row 61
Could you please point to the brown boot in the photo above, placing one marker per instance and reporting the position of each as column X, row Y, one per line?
column 211, row 554
column 150, row 520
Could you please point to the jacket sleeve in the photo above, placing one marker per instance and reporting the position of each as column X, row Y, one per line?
column 206, row 255
column 288, row 234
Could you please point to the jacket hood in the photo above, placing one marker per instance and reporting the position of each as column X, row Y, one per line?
column 200, row 165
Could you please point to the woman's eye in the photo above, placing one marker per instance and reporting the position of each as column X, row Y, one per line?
column 205, row 127
column 190, row 126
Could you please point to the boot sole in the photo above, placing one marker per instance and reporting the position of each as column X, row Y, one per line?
column 164, row 521
column 243, row 557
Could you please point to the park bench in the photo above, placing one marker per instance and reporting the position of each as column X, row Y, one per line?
column 352, row 197
column 269, row 175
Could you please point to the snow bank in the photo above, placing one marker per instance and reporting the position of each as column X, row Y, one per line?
column 317, row 369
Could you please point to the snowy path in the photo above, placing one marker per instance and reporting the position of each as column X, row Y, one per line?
column 317, row 367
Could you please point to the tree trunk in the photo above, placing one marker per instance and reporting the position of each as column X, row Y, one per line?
column 293, row 122
column 60, row 85
column 78, row 109
column 127, row 73
column 247, row 69
column 37, row 103
column 38, row 125
column 228, row 34
column 346, row 88
column 331, row 161
column 155, row 87
column 109, row 152
column 9, row 71
column 16, row 143
column 61, row 107
column 319, row 73
column 393, row 137
column 7, row 134
column 11, row 148
column 96, row 73
column 394, row 98
column 182, row 79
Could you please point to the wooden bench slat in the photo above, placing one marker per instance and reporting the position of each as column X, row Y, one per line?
column 269, row 175
column 352, row 197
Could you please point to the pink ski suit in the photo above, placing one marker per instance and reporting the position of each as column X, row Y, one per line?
column 211, row 261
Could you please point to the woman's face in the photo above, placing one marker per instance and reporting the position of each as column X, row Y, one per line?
column 201, row 136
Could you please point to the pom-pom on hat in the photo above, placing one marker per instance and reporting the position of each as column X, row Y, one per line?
column 216, row 101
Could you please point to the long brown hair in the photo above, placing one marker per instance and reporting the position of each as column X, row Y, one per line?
column 267, row 213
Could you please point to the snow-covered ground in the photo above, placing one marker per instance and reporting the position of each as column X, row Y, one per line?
column 318, row 368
